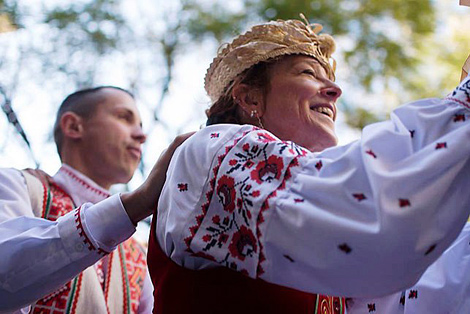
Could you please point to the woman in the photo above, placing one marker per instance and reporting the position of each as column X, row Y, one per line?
column 263, row 191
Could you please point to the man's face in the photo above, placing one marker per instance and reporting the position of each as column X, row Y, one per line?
column 112, row 139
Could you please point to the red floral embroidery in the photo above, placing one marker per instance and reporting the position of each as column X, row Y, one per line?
column 249, row 164
column 441, row 145
column 359, row 196
column 404, row 202
column 370, row 152
column 232, row 162
column 216, row 219
column 243, row 243
column 319, row 165
column 345, row 248
column 461, row 94
column 265, row 137
column 223, row 238
column 413, row 294
column 371, row 307
column 268, row 170
column 459, row 118
column 226, row 193
column 215, row 135
column 265, row 207
column 182, row 187
column 237, row 232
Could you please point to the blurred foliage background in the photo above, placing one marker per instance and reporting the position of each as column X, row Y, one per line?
column 389, row 52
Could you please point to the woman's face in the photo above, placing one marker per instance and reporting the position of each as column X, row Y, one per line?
column 300, row 105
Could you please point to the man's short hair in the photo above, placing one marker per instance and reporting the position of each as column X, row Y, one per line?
column 83, row 103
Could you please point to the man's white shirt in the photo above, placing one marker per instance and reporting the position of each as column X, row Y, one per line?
column 38, row 255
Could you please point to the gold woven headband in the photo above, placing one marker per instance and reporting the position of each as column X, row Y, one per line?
column 266, row 41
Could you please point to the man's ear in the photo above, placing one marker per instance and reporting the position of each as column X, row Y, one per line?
column 249, row 99
column 71, row 125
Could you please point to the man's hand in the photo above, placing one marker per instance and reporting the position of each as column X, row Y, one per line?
column 140, row 203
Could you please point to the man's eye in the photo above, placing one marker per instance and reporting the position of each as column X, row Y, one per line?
column 125, row 117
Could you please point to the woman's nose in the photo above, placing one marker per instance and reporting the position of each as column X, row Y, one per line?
column 332, row 91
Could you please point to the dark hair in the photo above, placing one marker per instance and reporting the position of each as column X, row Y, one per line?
column 225, row 110
column 82, row 103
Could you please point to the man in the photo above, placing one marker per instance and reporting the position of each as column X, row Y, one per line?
column 50, row 232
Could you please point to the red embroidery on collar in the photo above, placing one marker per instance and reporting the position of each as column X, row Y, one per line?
column 83, row 183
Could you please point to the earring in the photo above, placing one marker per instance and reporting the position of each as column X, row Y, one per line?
column 255, row 113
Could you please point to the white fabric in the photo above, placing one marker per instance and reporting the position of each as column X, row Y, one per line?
column 361, row 220
column 444, row 287
column 39, row 255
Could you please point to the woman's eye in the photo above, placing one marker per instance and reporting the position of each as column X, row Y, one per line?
column 309, row 72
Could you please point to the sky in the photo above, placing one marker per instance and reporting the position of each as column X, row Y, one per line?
column 36, row 101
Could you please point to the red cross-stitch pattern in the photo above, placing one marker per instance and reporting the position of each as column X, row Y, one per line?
column 56, row 302
column 136, row 270
column 261, row 161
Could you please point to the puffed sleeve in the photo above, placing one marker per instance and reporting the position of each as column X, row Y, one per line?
column 444, row 287
column 365, row 219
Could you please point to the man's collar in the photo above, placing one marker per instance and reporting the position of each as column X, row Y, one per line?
column 81, row 188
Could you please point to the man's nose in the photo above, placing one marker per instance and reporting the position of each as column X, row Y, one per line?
column 139, row 135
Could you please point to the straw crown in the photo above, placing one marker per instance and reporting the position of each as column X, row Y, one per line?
column 263, row 42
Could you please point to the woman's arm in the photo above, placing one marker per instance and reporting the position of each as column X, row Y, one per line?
column 365, row 219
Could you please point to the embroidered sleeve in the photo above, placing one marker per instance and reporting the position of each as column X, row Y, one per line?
column 226, row 230
column 375, row 214
column 365, row 219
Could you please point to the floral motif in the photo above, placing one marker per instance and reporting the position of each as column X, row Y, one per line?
column 264, row 137
column 403, row 202
column 245, row 176
column 459, row 118
column 243, row 243
column 182, row 187
column 226, row 193
column 370, row 152
column 359, row 196
column 268, row 170
column 441, row 145
column 413, row 294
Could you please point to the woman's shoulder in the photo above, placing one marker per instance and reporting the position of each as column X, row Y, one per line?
column 211, row 137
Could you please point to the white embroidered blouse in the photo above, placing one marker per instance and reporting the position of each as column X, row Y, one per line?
column 361, row 220
column 37, row 256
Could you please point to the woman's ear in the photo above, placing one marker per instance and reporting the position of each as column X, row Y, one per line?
column 71, row 125
column 249, row 99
